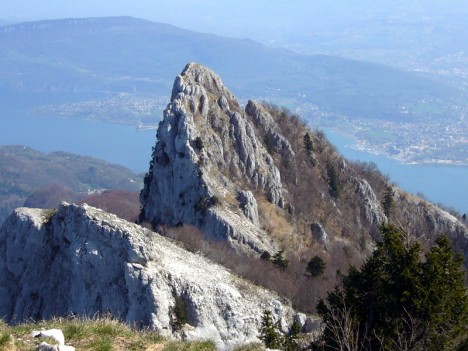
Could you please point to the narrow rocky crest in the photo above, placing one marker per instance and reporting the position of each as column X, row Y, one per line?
column 81, row 260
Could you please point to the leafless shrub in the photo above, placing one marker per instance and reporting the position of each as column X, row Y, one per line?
column 125, row 204
column 291, row 283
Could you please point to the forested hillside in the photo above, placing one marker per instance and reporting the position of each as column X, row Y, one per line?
column 67, row 177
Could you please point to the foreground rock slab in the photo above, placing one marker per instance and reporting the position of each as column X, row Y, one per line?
column 81, row 260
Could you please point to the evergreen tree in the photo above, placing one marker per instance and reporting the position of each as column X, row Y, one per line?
column 316, row 266
column 289, row 341
column 265, row 256
column 269, row 333
column 333, row 180
column 398, row 300
column 280, row 261
column 446, row 306
column 273, row 339
column 388, row 201
column 308, row 144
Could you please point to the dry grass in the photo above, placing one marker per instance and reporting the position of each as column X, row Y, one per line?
column 291, row 283
column 97, row 334
column 274, row 222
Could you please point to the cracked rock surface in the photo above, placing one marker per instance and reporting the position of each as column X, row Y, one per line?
column 81, row 260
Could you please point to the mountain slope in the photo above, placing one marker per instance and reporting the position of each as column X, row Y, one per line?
column 24, row 171
column 270, row 196
column 130, row 55
column 83, row 261
column 261, row 180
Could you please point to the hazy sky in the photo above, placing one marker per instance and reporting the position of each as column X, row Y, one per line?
column 209, row 14
column 273, row 22
column 224, row 17
column 151, row 9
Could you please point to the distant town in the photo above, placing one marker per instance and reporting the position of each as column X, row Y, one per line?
column 429, row 141
column 423, row 141
column 141, row 111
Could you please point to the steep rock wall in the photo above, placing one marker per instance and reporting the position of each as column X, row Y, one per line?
column 208, row 155
column 82, row 260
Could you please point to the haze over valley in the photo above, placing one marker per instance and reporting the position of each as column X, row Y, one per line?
column 83, row 69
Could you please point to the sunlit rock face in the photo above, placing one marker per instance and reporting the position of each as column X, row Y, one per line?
column 81, row 260
column 207, row 160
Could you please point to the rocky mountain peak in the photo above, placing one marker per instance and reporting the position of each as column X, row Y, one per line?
column 260, row 179
column 197, row 79
column 209, row 167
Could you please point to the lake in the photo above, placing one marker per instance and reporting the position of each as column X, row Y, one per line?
column 130, row 147
column 443, row 184
column 121, row 144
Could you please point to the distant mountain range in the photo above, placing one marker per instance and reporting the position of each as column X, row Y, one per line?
column 122, row 54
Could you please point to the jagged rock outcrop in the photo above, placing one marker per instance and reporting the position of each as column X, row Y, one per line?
column 207, row 153
column 373, row 209
column 249, row 206
column 263, row 121
column 426, row 221
column 319, row 233
column 214, row 164
column 81, row 260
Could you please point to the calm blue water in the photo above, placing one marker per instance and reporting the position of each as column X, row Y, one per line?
column 443, row 184
column 115, row 143
column 132, row 148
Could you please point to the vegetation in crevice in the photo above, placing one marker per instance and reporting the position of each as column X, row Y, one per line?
column 179, row 313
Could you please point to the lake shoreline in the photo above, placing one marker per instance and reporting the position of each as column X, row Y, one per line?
column 131, row 147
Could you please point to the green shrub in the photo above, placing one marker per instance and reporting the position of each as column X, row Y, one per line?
column 316, row 266
column 198, row 143
column 269, row 332
column 280, row 261
column 179, row 313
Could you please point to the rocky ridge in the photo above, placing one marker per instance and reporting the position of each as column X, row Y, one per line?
column 207, row 161
column 215, row 165
column 256, row 178
column 81, row 260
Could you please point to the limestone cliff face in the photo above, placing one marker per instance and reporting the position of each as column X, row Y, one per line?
column 207, row 162
column 427, row 221
column 215, row 166
column 85, row 261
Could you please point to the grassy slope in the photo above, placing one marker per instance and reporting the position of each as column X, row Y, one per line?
column 100, row 334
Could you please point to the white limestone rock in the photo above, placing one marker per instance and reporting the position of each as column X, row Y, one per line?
column 81, row 260
column 248, row 205
column 319, row 233
column 423, row 214
column 373, row 210
column 206, row 154
column 264, row 121
column 55, row 334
